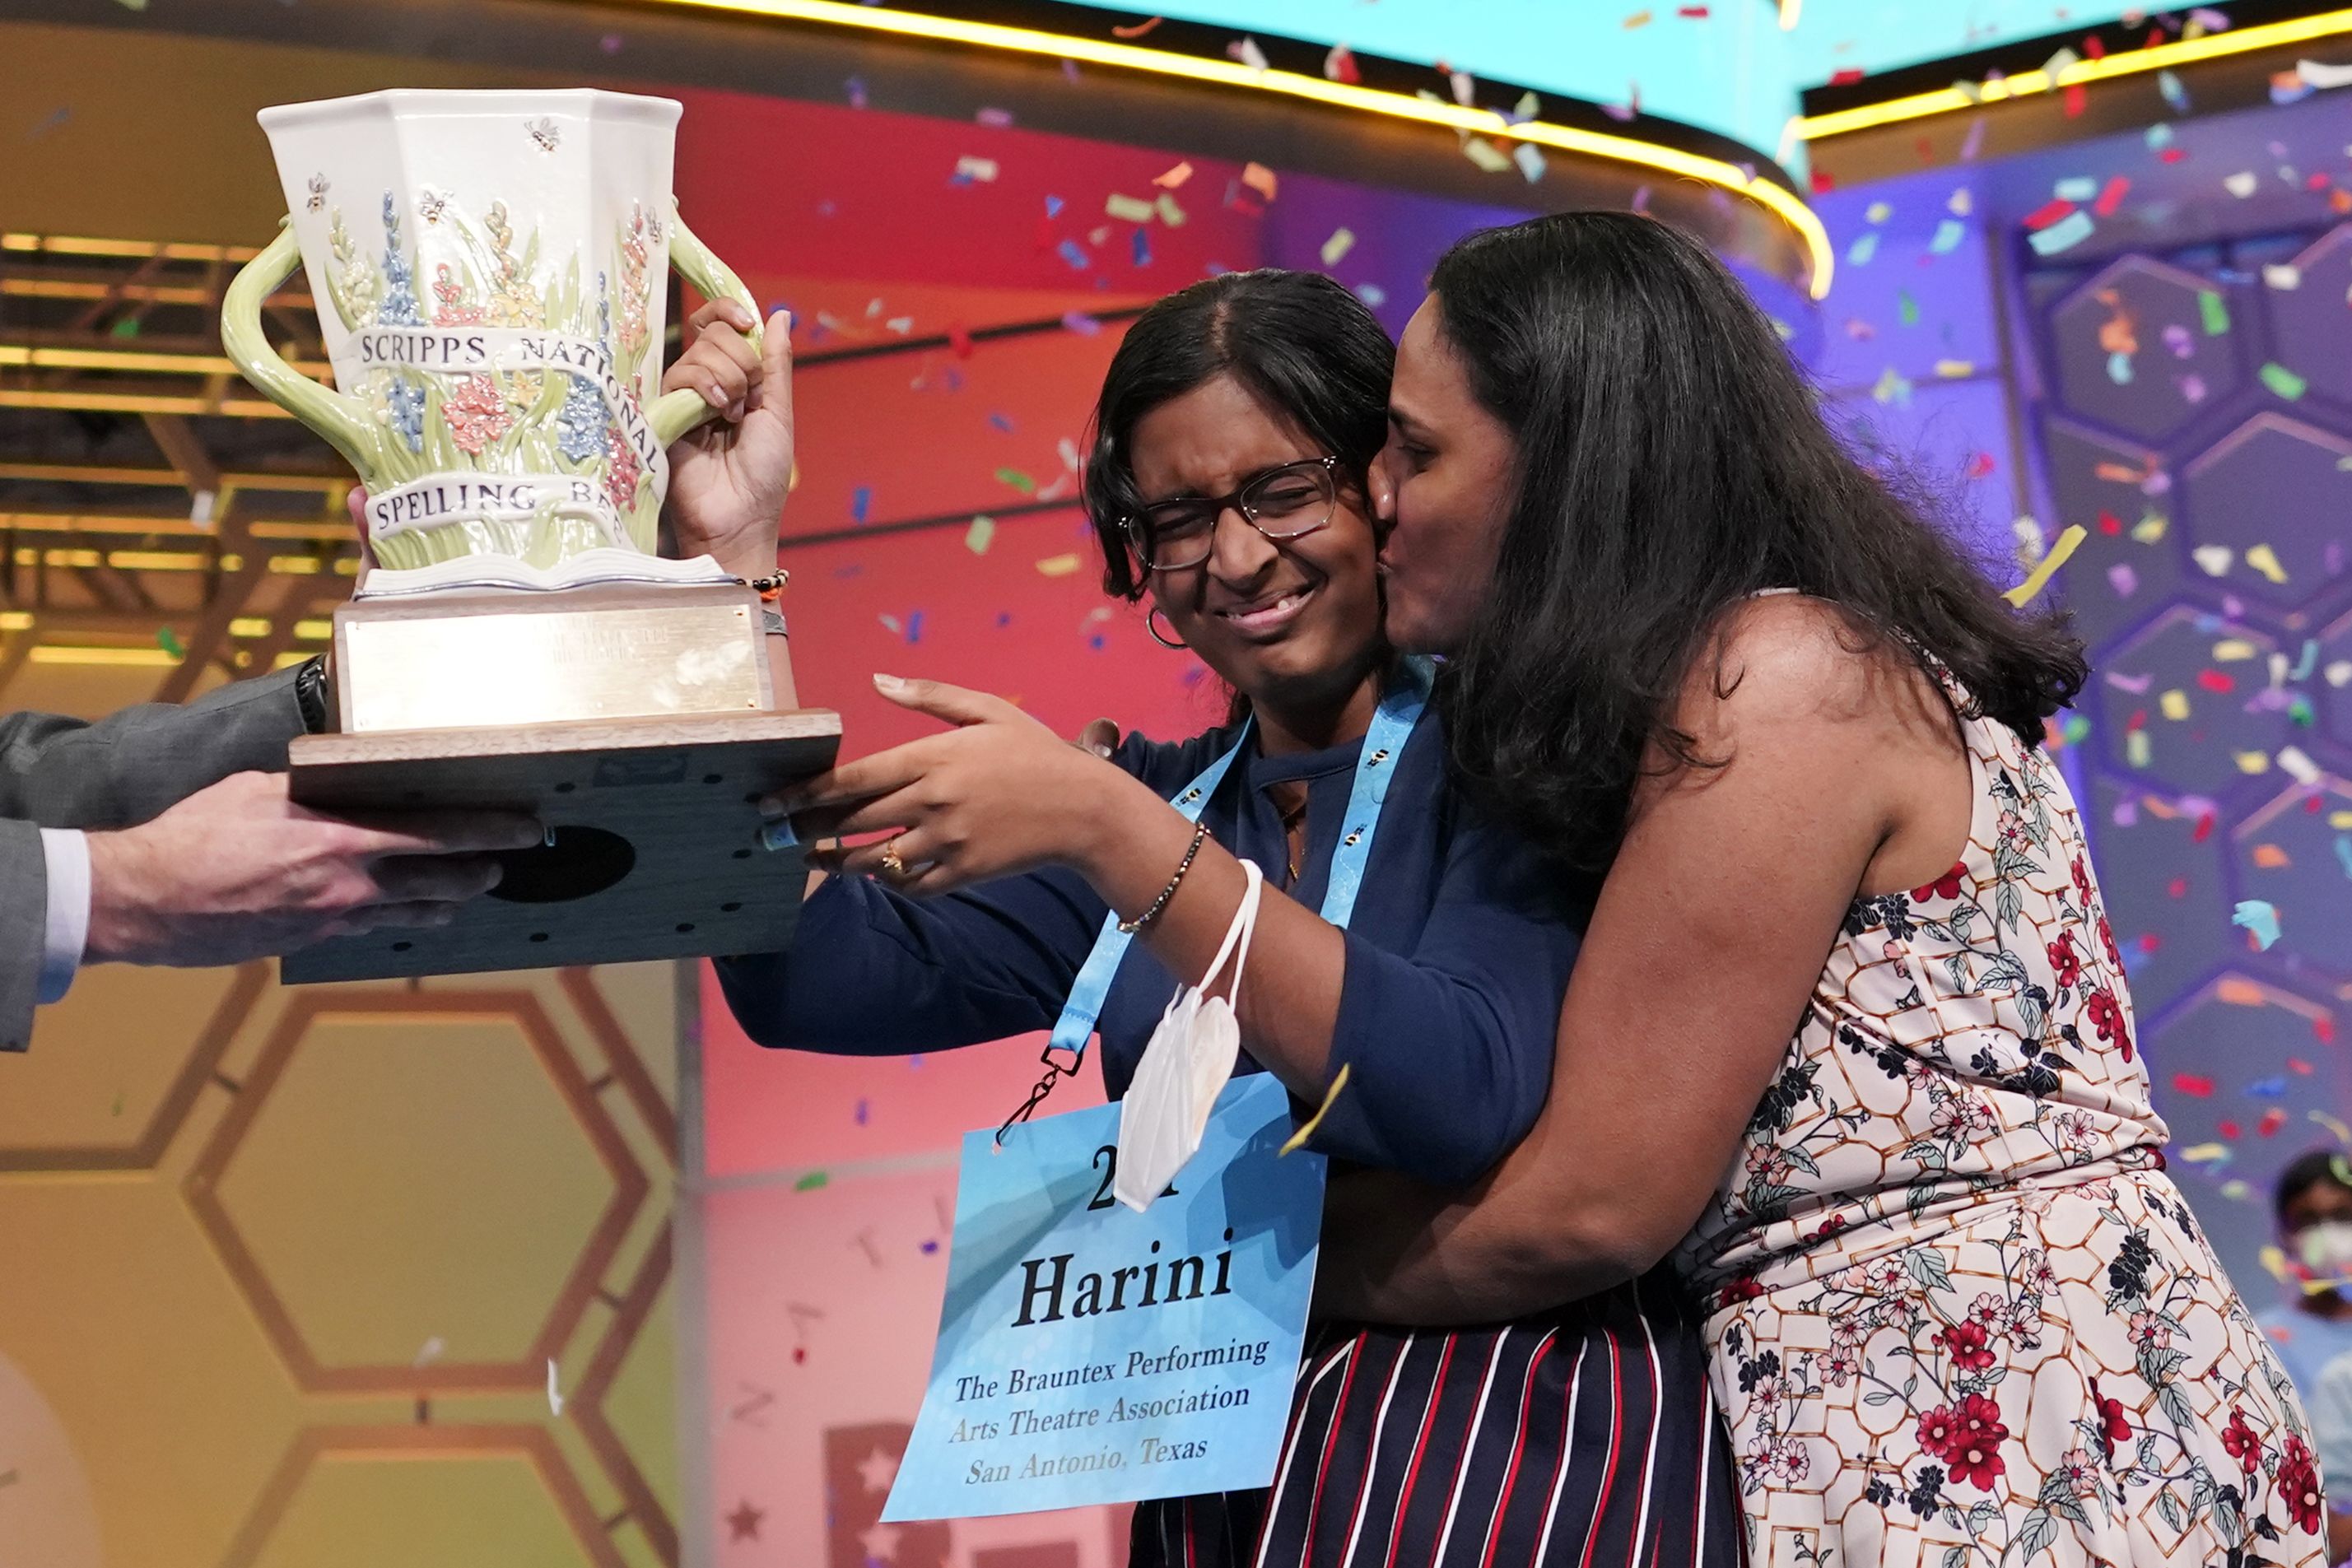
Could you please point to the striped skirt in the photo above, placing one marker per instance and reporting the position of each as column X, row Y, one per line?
column 1584, row 1438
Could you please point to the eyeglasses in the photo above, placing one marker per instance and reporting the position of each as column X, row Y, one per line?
column 1283, row 503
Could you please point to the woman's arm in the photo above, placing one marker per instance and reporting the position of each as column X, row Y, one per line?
column 1445, row 1045
column 1707, row 939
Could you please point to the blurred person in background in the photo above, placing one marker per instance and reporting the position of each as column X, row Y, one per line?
column 2312, row 1330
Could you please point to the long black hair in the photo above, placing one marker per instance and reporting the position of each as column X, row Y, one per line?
column 1303, row 346
column 1673, row 460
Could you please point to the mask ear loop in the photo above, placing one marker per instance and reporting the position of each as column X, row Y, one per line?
column 1241, row 931
column 1236, row 944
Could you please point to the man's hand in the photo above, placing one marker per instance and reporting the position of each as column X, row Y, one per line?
column 238, row 871
column 728, row 478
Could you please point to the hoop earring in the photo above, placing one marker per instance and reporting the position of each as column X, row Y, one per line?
column 1171, row 643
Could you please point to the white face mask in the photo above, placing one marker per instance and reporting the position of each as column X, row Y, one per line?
column 1186, row 1065
column 2325, row 1248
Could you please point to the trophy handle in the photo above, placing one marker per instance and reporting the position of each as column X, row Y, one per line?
column 680, row 412
column 343, row 421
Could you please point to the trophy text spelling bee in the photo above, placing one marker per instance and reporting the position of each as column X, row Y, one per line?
column 490, row 274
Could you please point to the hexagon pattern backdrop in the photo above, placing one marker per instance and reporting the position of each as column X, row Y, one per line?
column 2188, row 385
column 2150, row 335
column 289, row 1267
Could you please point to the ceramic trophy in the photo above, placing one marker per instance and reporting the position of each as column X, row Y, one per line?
column 490, row 275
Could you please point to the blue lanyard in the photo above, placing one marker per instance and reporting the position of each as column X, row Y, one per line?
column 1400, row 710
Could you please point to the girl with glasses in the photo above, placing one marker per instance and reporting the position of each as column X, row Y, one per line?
column 1227, row 482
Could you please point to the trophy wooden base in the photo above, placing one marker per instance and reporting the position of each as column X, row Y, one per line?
column 656, row 850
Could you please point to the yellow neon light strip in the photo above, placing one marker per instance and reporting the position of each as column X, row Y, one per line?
column 36, row 357
column 62, row 245
column 140, row 403
column 2025, row 84
column 141, row 658
column 1791, row 209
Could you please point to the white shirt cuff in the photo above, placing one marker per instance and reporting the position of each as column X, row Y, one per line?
column 66, row 928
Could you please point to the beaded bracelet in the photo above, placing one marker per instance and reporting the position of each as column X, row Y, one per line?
column 1130, row 927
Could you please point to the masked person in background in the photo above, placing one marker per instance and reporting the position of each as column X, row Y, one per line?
column 2311, row 1330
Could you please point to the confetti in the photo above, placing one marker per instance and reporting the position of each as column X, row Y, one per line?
column 2264, row 560
column 2260, row 919
column 1078, row 321
column 1306, row 1128
column 2193, row 1085
column 2213, row 560
column 2299, row 766
column 1341, row 241
column 1127, row 209
column 2270, row 857
column 2062, row 235
column 2174, row 704
column 1948, row 236
column 2176, row 96
column 1339, row 65
column 1173, row 179
column 169, row 641
column 1261, row 178
column 1485, row 154
column 1246, row 51
column 970, row 170
column 2215, row 312
column 2279, row 275
column 1017, row 480
column 977, row 536
column 1530, row 160
column 2281, row 380
column 2111, row 197
column 2039, row 578
column 1137, row 29
column 2322, row 77
column 554, row 1395
column 1060, row 565
column 861, row 501
column 810, row 1182
column 1864, row 247
column 2240, row 184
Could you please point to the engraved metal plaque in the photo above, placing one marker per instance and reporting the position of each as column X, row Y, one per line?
column 534, row 667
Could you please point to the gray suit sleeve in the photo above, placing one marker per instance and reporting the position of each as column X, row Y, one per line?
column 127, row 767
column 114, row 772
column 24, row 914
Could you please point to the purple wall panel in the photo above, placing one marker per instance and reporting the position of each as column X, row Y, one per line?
column 2189, row 404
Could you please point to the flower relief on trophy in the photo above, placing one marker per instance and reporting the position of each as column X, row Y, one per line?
column 479, row 352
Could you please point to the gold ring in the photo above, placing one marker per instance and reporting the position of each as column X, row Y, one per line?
column 891, row 861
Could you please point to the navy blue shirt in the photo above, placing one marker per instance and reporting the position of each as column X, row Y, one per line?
column 1457, row 957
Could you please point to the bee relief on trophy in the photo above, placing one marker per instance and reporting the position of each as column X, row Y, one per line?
column 490, row 273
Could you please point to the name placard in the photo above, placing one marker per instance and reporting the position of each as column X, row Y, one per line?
column 1091, row 1354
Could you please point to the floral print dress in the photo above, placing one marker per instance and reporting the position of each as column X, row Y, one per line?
column 1960, row 1316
